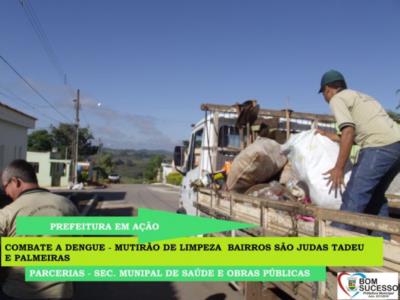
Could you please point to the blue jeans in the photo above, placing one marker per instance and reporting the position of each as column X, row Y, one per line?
column 371, row 176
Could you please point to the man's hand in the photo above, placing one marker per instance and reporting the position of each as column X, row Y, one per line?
column 335, row 176
column 330, row 135
column 335, row 179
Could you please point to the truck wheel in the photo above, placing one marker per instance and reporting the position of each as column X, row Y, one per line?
column 181, row 210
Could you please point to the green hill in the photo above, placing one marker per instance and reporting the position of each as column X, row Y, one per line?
column 131, row 164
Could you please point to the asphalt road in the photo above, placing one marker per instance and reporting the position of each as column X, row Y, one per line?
column 155, row 196
column 121, row 200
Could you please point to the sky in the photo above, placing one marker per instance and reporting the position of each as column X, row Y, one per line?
column 144, row 67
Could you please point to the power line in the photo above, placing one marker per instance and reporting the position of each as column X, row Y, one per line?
column 13, row 95
column 43, row 38
column 45, row 42
column 84, row 117
column 34, row 89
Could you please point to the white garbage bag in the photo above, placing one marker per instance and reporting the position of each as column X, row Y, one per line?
column 311, row 155
column 78, row 186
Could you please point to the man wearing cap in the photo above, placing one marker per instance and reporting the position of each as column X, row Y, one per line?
column 361, row 120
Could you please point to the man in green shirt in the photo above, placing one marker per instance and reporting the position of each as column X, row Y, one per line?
column 361, row 120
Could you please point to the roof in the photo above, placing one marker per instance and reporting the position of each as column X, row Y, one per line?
column 17, row 111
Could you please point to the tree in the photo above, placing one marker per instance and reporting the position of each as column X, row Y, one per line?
column 104, row 164
column 85, row 143
column 64, row 136
column 150, row 173
column 40, row 140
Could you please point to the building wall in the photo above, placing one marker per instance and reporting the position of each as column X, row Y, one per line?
column 166, row 169
column 64, row 180
column 43, row 161
column 46, row 166
column 13, row 142
column 13, row 134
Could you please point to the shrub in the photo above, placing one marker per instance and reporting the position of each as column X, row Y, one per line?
column 174, row 178
column 83, row 176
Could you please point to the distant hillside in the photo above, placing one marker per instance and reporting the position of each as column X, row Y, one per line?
column 130, row 164
column 142, row 153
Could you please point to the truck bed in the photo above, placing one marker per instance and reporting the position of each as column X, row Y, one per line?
column 279, row 218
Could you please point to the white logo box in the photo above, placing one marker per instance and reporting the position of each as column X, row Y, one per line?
column 361, row 285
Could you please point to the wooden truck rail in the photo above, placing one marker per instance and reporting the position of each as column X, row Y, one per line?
column 271, row 113
column 279, row 218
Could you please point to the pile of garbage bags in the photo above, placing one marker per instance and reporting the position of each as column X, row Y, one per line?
column 290, row 171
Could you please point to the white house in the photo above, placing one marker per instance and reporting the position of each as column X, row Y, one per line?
column 50, row 172
column 166, row 169
column 14, row 127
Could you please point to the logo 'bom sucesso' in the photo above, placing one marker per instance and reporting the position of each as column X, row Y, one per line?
column 367, row 285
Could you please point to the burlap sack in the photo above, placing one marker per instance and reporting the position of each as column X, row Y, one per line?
column 256, row 164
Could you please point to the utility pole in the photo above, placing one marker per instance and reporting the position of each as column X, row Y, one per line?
column 76, row 152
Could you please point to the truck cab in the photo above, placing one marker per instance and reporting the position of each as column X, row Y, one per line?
column 201, row 157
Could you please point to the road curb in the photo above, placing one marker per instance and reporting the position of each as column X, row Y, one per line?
column 178, row 187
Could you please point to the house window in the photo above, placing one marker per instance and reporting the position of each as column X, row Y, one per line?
column 35, row 166
column 195, row 151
